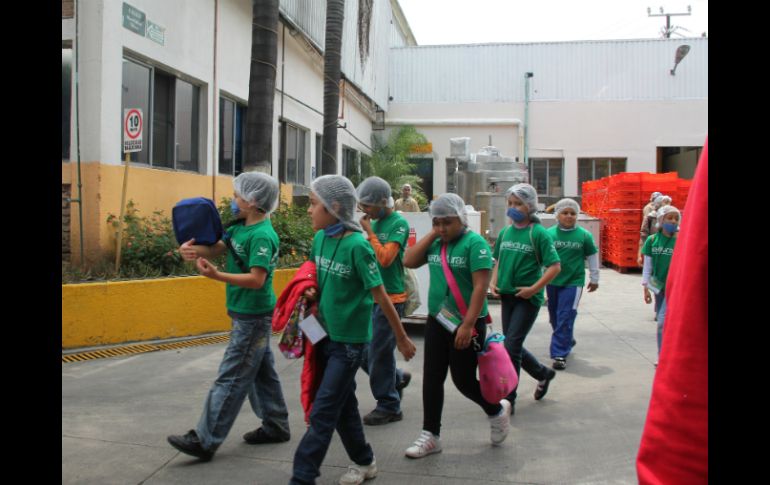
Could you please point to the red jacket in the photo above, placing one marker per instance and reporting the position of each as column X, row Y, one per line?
column 311, row 374
column 674, row 447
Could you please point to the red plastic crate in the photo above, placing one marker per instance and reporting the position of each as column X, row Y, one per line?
column 664, row 183
column 625, row 179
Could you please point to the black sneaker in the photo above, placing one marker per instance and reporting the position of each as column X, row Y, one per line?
column 404, row 382
column 190, row 444
column 559, row 363
column 260, row 436
column 542, row 386
column 377, row 417
column 574, row 342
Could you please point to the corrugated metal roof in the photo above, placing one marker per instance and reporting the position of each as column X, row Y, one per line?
column 371, row 76
column 563, row 71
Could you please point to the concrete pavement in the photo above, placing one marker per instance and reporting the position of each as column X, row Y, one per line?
column 117, row 412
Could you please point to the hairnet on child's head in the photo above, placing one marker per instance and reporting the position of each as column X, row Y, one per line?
column 526, row 193
column 654, row 195
column 667, row 209
column 566, row 204
column 661, row 200
column 375, row 191
column 338, row 195
column 259, row 189
column 449, row 205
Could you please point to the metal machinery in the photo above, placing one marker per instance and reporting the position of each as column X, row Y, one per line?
column 481, row 179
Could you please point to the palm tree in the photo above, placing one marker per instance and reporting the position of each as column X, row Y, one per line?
column 335, row 12
column 264, row 58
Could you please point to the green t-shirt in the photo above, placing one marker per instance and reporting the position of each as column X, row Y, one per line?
column 573, row 248
column 465, row 255
column 347, row 271
column 257, row 245
column 518, row 265
column 660, row 248
column 393, row 228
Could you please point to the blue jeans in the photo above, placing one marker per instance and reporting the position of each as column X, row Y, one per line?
column 661, row 317
column 379, row 361
column 518, row 316
column 247, row 365
column 562, row 311
column 335, row 407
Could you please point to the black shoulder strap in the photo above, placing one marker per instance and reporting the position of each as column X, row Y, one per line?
column 534, row 246
column 227, row 239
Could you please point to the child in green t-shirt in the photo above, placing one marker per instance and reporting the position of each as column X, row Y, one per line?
column 247, row 367
column 349, row 283
column 448, row 347
column 657, row 251
column 521, row 251
column 574, row 245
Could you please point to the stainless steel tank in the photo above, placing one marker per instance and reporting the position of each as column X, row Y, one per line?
column 482, row 181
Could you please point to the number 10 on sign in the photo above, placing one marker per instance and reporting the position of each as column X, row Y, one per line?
column 133, row 122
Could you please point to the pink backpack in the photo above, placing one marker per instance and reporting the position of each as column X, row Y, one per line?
column 497, row 376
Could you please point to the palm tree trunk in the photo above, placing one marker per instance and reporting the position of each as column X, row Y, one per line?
column 264, row 58
column 335, row 12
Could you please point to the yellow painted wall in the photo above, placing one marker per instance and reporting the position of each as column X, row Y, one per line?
column 128, row 311
column 150, row 189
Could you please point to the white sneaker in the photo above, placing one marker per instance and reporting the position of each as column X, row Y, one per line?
column 356, row 474
column 425, row 445
column 501, row 423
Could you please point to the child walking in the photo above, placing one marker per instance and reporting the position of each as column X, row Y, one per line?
column 468, row 258
column 657, row 251
column 248, row 361
column 349, row 283
column 521, row 251
column 574, row 245
column 387, row 234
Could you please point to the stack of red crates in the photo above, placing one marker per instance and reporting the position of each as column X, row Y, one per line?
column 618, row 201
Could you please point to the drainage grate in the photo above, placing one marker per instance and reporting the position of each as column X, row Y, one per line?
column 141, row 348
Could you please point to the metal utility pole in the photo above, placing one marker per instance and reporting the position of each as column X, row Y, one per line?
column 669, row 30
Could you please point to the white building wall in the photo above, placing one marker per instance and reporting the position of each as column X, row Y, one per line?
column 569, row 130
column 188, row 52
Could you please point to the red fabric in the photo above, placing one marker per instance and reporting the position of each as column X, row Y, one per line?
column 674, row 446
column 311, row 375
column 304, row 278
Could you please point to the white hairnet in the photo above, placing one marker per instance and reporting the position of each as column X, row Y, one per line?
column 661, row 200
column 406, row 186
column 654, row 195
column 449, row 205
column 375, row 191
column 667, row 209
column 338, row 195
column 566, row 204
column 259, row 189
column 526, row 193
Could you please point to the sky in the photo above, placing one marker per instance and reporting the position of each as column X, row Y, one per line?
column 436, row 22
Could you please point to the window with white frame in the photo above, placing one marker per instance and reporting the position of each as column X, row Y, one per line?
column 171, row 108
column 232, row 136
column 350, row 163
column 291, row 164
column 547, row 176
column 596, row 168
column 66, row 100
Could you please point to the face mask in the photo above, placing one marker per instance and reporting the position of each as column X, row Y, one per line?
column 334, row 229
column 381, row 213
column 670, row 228
column 234, row 208
column 515, row 214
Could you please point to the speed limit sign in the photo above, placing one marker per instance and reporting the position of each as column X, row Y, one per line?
column 132, row 130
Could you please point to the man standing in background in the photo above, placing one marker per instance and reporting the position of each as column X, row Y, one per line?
column 406, row 203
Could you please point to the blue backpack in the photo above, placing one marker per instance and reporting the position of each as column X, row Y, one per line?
column 197, row 218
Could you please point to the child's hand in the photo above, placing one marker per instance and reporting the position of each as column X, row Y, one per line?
column 406, row 347
column 206, row 268
column 525, row 292
column 463, row 337
column 311, row 294
column 592, row 287
column 187, row 251
column 366, row 224
column 494, row 289
column 647, row 296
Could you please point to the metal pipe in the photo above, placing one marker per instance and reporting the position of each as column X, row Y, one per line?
column 526, row 117
column 79, row 200
column 215, row 105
